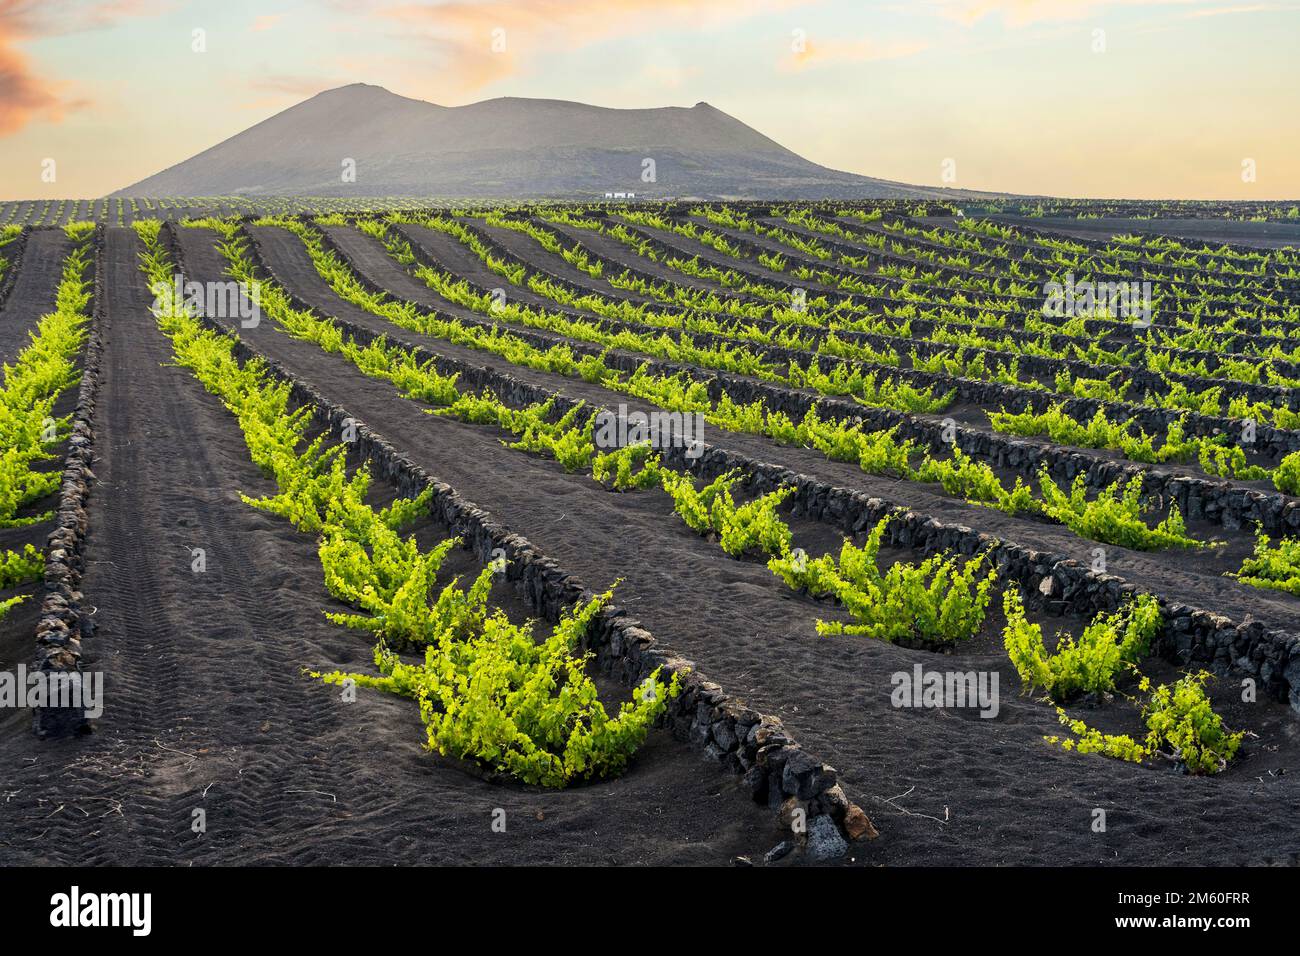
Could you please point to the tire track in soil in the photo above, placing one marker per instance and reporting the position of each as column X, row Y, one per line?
column 1008, row 798
column 206, row 706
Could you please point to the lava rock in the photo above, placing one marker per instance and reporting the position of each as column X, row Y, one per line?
column 858, row 825
column 825, row 841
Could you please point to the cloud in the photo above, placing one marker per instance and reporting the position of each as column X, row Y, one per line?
column 43, row 18
column 818, row 52
column 476, row 44
column 265, row 22
column 1019, row 13
column 1252, row 8
column 25, row 94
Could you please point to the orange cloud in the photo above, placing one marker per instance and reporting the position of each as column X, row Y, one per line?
column 24, row 94
column 479, row 43
column 266, row 22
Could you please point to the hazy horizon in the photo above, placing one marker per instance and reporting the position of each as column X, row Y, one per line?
column 1170, row 100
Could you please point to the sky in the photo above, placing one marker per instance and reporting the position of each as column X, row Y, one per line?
column 1143, row 99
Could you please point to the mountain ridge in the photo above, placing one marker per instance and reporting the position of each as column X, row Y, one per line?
column 505, row 147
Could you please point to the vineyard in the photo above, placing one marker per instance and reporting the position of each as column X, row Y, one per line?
column 889, row 532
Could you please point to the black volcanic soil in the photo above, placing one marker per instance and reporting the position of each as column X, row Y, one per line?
column 1195, row 578
column 1258, row 235
column 33, row 290
column 943, row 786
column 525, row 248
column 207, row 707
